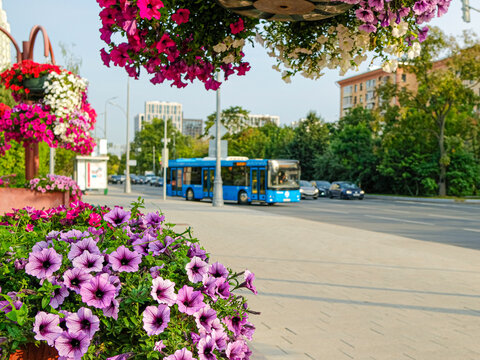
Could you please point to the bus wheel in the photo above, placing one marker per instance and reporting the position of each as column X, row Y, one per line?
column 242, row 198
column 189, row 196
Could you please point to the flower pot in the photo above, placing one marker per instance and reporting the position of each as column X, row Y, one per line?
column 35, row 85
column 32, row 352
column 17, row 198
column 286, row 10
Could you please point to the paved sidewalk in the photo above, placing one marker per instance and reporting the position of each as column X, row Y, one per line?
column 332, row 292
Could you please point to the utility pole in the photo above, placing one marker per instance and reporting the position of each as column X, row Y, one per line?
column 217, row 183
column 128, row 187
column 165, row 159
column 153, row 159
column 466, row 10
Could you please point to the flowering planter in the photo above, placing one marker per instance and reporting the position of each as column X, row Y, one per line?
column 17, row 198
column 32, row 352
column 35, row 85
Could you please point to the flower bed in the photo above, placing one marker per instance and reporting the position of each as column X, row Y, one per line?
column 99, row 283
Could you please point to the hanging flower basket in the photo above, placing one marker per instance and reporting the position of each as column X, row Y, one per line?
column 286, row 10
column 35, row 86
column 180, row 41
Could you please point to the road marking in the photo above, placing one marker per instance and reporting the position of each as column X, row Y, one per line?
column 333, row 211
column 474, row 230
column 451, row 217
column 399, row 220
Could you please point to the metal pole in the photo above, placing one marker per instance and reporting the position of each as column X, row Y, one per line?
column 128, row 188
column 52, row 161
column 217, row 183
column 105, row 118
column 164, row 159
column 153, row 159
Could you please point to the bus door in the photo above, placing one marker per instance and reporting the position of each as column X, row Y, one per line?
column 258, row 181
column 176, row 181
column 208, row 176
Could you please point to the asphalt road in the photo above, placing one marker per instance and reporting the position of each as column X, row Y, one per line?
column 451, row 223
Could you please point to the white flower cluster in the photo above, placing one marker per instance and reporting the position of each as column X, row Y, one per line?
column 341, row 47
column 229, row 48
column 64, row 92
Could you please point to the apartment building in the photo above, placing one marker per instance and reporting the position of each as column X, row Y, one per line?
column 261, row 120
column 138, row 121
column 192, row 127
column 160, row 110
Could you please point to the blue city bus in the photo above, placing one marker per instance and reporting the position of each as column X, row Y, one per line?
column 244, row 180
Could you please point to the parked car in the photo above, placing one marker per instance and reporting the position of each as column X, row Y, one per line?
column 142, row 179
column 116, row 179
column 323, row 187
column 152, row 180
column 345, row 190
column 308, row 190
column 158, row 181
column 134, row 179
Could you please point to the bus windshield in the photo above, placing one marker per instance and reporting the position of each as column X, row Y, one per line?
column 283, row 174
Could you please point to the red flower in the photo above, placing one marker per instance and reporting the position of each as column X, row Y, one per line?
column 149, row 8
column 181, row 16
column 237, row 27
column 164, row 43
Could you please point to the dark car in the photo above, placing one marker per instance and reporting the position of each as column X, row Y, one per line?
column 307, row 190
column 158, row 181
column 116, row 179
column 323, row 187
column 345, row 190
column 152, row 180
column 134, row 179
column 142, row 179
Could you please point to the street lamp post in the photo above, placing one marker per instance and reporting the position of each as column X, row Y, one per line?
column 217, row 183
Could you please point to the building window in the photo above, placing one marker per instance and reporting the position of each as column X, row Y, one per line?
column 370, row 83
column 404, row 77
column 355, row 87
column 361, row 86
column 347, row 90
column 361, row 99
column 355, row 100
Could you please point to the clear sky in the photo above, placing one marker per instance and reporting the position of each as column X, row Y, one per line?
column 261, row 91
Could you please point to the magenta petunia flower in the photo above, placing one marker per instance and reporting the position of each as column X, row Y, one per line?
column 46, row 327
column 72, row 345
column 87, row 244
column 181, row 16
column 117, row 216
column 75, row 278
column 159, row 346
column 189, row 301
column 249, row 277
column 150, row 8
column 236, row 350
column 44, row 263
column 156, row 319
column 195, row 250
column 83, row 320
column 237, row 27
column 223, row 288
column 182, row 354
column 163, row 291
column 235, row 323
column 204, row 318
column 89, row 262
column 217, row 270
column 365, row 15
column 206, row 346
column 124, row 260
column 155, row 270
column 196, row 268
column 98, row 292
column 154, row 219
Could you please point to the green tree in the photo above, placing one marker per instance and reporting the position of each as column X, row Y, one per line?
column 235, row 119
column 310, row 139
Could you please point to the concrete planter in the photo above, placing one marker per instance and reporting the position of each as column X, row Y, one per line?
column 13, row 198
column 31, row 352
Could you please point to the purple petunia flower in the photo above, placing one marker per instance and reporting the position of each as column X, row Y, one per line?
column 156, row 319
column 189, row 301
column 155, row 270
column 236, row 350
column 217, row 270
column 89, row 262
column 78, row 248
column 204, row 318
column 196, row 268
column 422, row 34
column 63, row 321
column 117, row 216
column 123, row 356
column 98, row 292
column 83, row 320
column 141, row 246
column 72, row 236
column 44, row 263
column 235, row 323
column 220, row 337
column 163, row 291
column 124, row 260
column 247, row 330
column 249, row 277
column 39, row 246
column 72, row 345
column 52, row 235
column 154, row 219
column 112, row 310
column 46, row 327
column 59, row 295
column 75, row 278
column 20, row 263
column 369, row 28
column 206, row 346
column 182, row 354
column 378, row 5
column 159, row 346
column 223, row 288
column 156, row 247
column 365, row 15
column 421, row 7
column 196, row 250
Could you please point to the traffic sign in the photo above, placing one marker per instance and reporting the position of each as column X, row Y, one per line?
column 213, row 131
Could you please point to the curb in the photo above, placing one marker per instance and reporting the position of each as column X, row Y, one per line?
column 416, row 199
